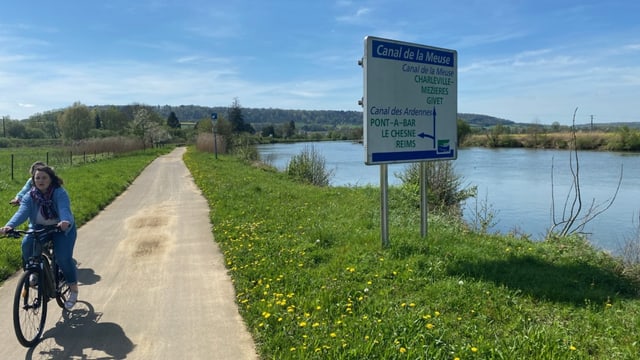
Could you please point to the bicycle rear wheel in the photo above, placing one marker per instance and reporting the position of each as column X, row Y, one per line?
column 29, row 309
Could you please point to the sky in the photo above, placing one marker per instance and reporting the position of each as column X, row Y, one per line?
column 520, row 60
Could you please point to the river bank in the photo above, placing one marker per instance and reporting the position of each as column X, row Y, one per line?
column 623, row 139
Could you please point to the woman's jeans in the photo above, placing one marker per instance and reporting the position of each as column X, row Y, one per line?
column 63, row 244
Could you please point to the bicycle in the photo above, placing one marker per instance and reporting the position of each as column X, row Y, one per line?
column 41, row 281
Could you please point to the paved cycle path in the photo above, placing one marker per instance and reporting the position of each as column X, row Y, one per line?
column 152, row 281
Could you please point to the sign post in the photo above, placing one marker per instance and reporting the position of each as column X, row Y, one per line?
column 214, row 117
column 410, row 105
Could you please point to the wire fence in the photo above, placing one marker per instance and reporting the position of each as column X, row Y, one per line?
column 16, row 164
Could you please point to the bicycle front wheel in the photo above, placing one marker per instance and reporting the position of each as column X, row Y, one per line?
column 29, row 309
column 62, row 288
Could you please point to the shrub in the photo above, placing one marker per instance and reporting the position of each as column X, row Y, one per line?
column 206, row 143
column 244, row 147
column 309, row 166
column 445, row 192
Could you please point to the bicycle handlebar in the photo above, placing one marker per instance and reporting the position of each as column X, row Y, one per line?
column 47, row 229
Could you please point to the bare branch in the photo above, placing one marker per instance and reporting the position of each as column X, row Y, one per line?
column 572, row 220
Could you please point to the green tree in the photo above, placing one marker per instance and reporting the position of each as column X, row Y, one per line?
column 494, row 135
column 288, row 129
column 268, row 131
column 76, row 122
column 224, row 131
column 47, row 122
column 16, row 129
column 237, row 119
column 114, row 120
column 464, row 130
column 172, row 121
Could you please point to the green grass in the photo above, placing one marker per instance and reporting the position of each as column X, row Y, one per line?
column 313, row 281
column 91, row 186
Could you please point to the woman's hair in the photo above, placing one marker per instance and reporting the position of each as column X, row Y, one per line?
column 56, row 181
column 36, row 164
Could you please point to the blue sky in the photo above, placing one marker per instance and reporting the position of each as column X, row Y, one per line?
column 526, row 61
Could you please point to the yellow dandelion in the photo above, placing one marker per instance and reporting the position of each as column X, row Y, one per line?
column 403, row 350
column 430, row 326
column 474, row 349
column 572, row 348
column 333, row 335
column 437, row 313
column 303, row 324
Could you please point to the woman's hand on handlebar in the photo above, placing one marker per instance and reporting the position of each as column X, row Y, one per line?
column 64, row 225
column 5, row 229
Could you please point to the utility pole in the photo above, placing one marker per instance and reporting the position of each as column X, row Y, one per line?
column 592, row 123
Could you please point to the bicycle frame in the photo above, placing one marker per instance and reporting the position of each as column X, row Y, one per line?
column 43, row 262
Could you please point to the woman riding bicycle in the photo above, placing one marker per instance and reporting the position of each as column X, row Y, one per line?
column 47, row 203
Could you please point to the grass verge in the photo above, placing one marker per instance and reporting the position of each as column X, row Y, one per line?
column 313, row 281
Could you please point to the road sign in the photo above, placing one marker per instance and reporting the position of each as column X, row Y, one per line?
column 410, row 102
column 214, row 116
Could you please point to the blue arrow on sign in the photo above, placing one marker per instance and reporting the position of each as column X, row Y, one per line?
column 432, row 137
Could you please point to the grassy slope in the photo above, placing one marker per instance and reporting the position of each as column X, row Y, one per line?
column 313, row 281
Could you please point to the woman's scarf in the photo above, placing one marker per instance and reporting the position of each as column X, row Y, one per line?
column 47, row 209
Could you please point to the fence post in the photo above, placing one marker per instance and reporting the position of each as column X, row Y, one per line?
column 11, row 166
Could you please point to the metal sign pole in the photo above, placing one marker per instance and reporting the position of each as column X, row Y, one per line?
column 384, row 205
column 424, row 206
column 214, row 117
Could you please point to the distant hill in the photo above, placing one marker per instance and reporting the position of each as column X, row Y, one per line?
column 191, row 113
column 483, row 120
